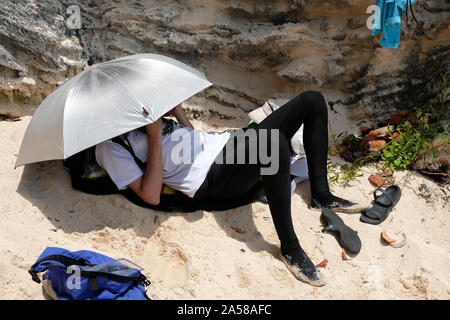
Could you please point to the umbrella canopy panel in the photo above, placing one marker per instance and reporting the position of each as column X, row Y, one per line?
column 107, row 100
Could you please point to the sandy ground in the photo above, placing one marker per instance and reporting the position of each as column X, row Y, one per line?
column 200, row 256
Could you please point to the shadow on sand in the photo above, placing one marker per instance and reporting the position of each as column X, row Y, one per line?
column 48, row 187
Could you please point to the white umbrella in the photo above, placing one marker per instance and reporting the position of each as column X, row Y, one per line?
column 107, row 100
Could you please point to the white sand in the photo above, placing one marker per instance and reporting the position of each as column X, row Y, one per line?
column 199, row 256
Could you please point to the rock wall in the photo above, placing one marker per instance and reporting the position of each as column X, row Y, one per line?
column 251, row 50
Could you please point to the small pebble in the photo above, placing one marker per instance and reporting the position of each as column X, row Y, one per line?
column 376, row 180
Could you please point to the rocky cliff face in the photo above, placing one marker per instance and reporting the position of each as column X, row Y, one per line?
column 251, row 50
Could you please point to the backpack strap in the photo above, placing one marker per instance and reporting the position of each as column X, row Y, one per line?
column 169, row 125
column 142, row 165
column 127, row 146
column 56, row 257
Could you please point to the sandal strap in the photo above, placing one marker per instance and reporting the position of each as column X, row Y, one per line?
column 371, row 214
column 380, row 201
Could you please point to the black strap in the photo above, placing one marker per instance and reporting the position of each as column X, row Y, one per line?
column 60, row 258
column 168, row 128
column 270, row 106
column 65, row 260
column 409, row 6
column 116, row 277
column 384, row 193
column 127, row 146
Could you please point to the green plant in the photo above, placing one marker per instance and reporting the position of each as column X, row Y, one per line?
column 414, row 141
column 354, row 171
column 346, row 174
column 403, row 150
column 333, row 174
column 410, row 141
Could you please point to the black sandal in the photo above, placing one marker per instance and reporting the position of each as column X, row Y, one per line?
column 383, row 205
column 347, row 237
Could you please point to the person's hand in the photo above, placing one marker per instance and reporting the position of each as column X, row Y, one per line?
column 174, row 111
column 154, row 129
column 178, row 113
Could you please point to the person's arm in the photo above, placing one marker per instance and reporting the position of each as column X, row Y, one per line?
column 180, row 115
column 148, row 187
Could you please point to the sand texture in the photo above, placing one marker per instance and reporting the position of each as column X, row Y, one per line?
column 201, row 256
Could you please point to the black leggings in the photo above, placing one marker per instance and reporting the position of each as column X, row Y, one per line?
column 231, row 181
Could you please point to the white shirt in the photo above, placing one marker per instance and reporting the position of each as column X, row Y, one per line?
column 187, row 155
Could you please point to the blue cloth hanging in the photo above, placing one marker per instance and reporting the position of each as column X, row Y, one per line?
column 388, row 20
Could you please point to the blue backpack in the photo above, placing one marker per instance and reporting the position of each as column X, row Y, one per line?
column 87, row 275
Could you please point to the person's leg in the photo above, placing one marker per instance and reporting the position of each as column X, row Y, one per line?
column 310, row 109
column 278, row 192
column 231, row 180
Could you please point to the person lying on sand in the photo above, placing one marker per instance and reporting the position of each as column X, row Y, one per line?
column 209, row 170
